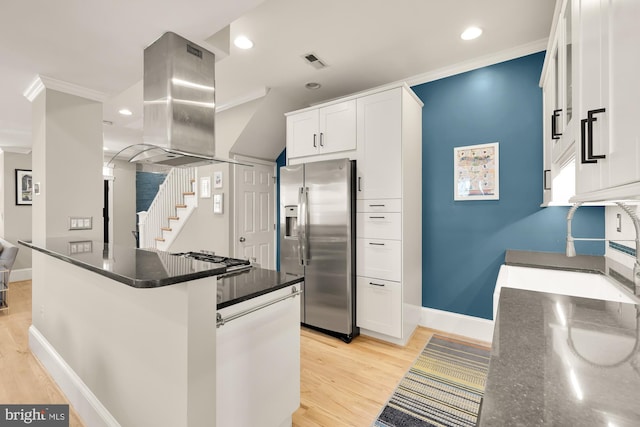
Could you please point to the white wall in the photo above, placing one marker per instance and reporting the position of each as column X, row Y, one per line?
column 206, row 230
column 15, row 220
column 67, row 162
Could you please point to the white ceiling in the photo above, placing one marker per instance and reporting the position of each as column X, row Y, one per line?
column 99, row 44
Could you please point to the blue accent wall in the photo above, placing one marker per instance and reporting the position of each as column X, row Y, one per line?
column 147, row 185
column 464, row 242
column 280, row 161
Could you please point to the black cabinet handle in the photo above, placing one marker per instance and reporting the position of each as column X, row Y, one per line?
column 545, row 180
column 554, row 124
column 590, row 120
column 376, row 244
column 359, row 183
column 376, row 217
column 376, row 284
column 321, row 138
column 314, row 141
column 583, row 143
column 586, row 137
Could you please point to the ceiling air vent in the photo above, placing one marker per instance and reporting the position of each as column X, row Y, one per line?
column 313, row 60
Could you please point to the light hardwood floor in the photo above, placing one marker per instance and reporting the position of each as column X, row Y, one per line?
column 341, row 384
column 23, row 380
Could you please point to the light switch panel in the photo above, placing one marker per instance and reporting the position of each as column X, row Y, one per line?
column 81, row 247
column 80, row 223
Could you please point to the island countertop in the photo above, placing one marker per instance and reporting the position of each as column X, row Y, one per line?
column 146, row 268
column 234, row 288
column 562, row 360
column 139, row 268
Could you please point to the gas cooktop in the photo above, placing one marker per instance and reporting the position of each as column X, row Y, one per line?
column 230, row 263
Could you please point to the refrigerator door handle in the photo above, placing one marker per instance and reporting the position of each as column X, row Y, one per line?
column 305, row 226
column 300, row 231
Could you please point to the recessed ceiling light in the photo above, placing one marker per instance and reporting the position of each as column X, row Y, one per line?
column 313, row 85
column 125, row 112
column 243, row 42
column 471, row 33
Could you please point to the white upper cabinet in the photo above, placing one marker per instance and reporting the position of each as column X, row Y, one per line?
column 608, row 165
column 624, row 57
column 380, row 145
column 592, row 52
column 590, row 90
column 322, row 130
column 558, row 117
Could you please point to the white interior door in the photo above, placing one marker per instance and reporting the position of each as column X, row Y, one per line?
column 255, row 231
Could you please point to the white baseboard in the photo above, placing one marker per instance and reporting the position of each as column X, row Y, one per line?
column 86, row 404
column 20, row 275
column 458, row 324
column 387, row 338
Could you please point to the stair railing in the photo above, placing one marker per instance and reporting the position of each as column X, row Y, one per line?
column 170, row 194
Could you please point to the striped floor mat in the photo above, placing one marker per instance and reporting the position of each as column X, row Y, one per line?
column 443, row 387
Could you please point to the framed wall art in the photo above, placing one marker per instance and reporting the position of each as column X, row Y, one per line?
column 205, row 187
column 217, row 179
column 24, row 187
column 476, row 172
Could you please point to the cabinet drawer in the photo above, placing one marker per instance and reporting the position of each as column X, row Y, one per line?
column 379, row 205
column 379, row 306
column 379, row 258
column 379, row 225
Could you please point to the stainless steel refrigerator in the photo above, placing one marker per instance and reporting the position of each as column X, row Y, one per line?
column 317, row 239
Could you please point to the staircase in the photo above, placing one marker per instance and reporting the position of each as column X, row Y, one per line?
column 173, row 205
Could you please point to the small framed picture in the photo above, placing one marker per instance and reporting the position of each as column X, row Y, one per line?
column 217, row 179
column 476, row 172
column 205, row 187
column 24, row 187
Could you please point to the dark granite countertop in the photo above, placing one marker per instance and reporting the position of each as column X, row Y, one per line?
column 242, row 286
column 139, row 268
column 143, row 268
column 555, row 261
column 558, row 360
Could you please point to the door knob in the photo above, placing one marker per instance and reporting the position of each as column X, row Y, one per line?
column 242, row 239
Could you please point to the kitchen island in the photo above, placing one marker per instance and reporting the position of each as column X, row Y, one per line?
column 130, row 334
column 560, row 359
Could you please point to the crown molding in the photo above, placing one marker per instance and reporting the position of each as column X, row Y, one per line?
column 483, row 61
column 16, row 149
column 44, row 82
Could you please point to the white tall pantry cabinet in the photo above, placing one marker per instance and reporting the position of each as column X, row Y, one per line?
column 388, row 154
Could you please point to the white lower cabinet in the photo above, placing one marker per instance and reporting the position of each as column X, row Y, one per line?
column 379, row 225
column 379, row 258
column 379, row 305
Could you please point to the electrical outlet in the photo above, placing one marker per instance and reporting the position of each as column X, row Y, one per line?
column 619, row 223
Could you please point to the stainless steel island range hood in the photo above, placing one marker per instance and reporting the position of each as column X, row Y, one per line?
column 179, row 105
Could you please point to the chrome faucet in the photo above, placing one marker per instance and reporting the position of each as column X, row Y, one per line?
column 571, row 249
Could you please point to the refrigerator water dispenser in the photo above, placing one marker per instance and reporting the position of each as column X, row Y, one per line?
column 291, row 221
